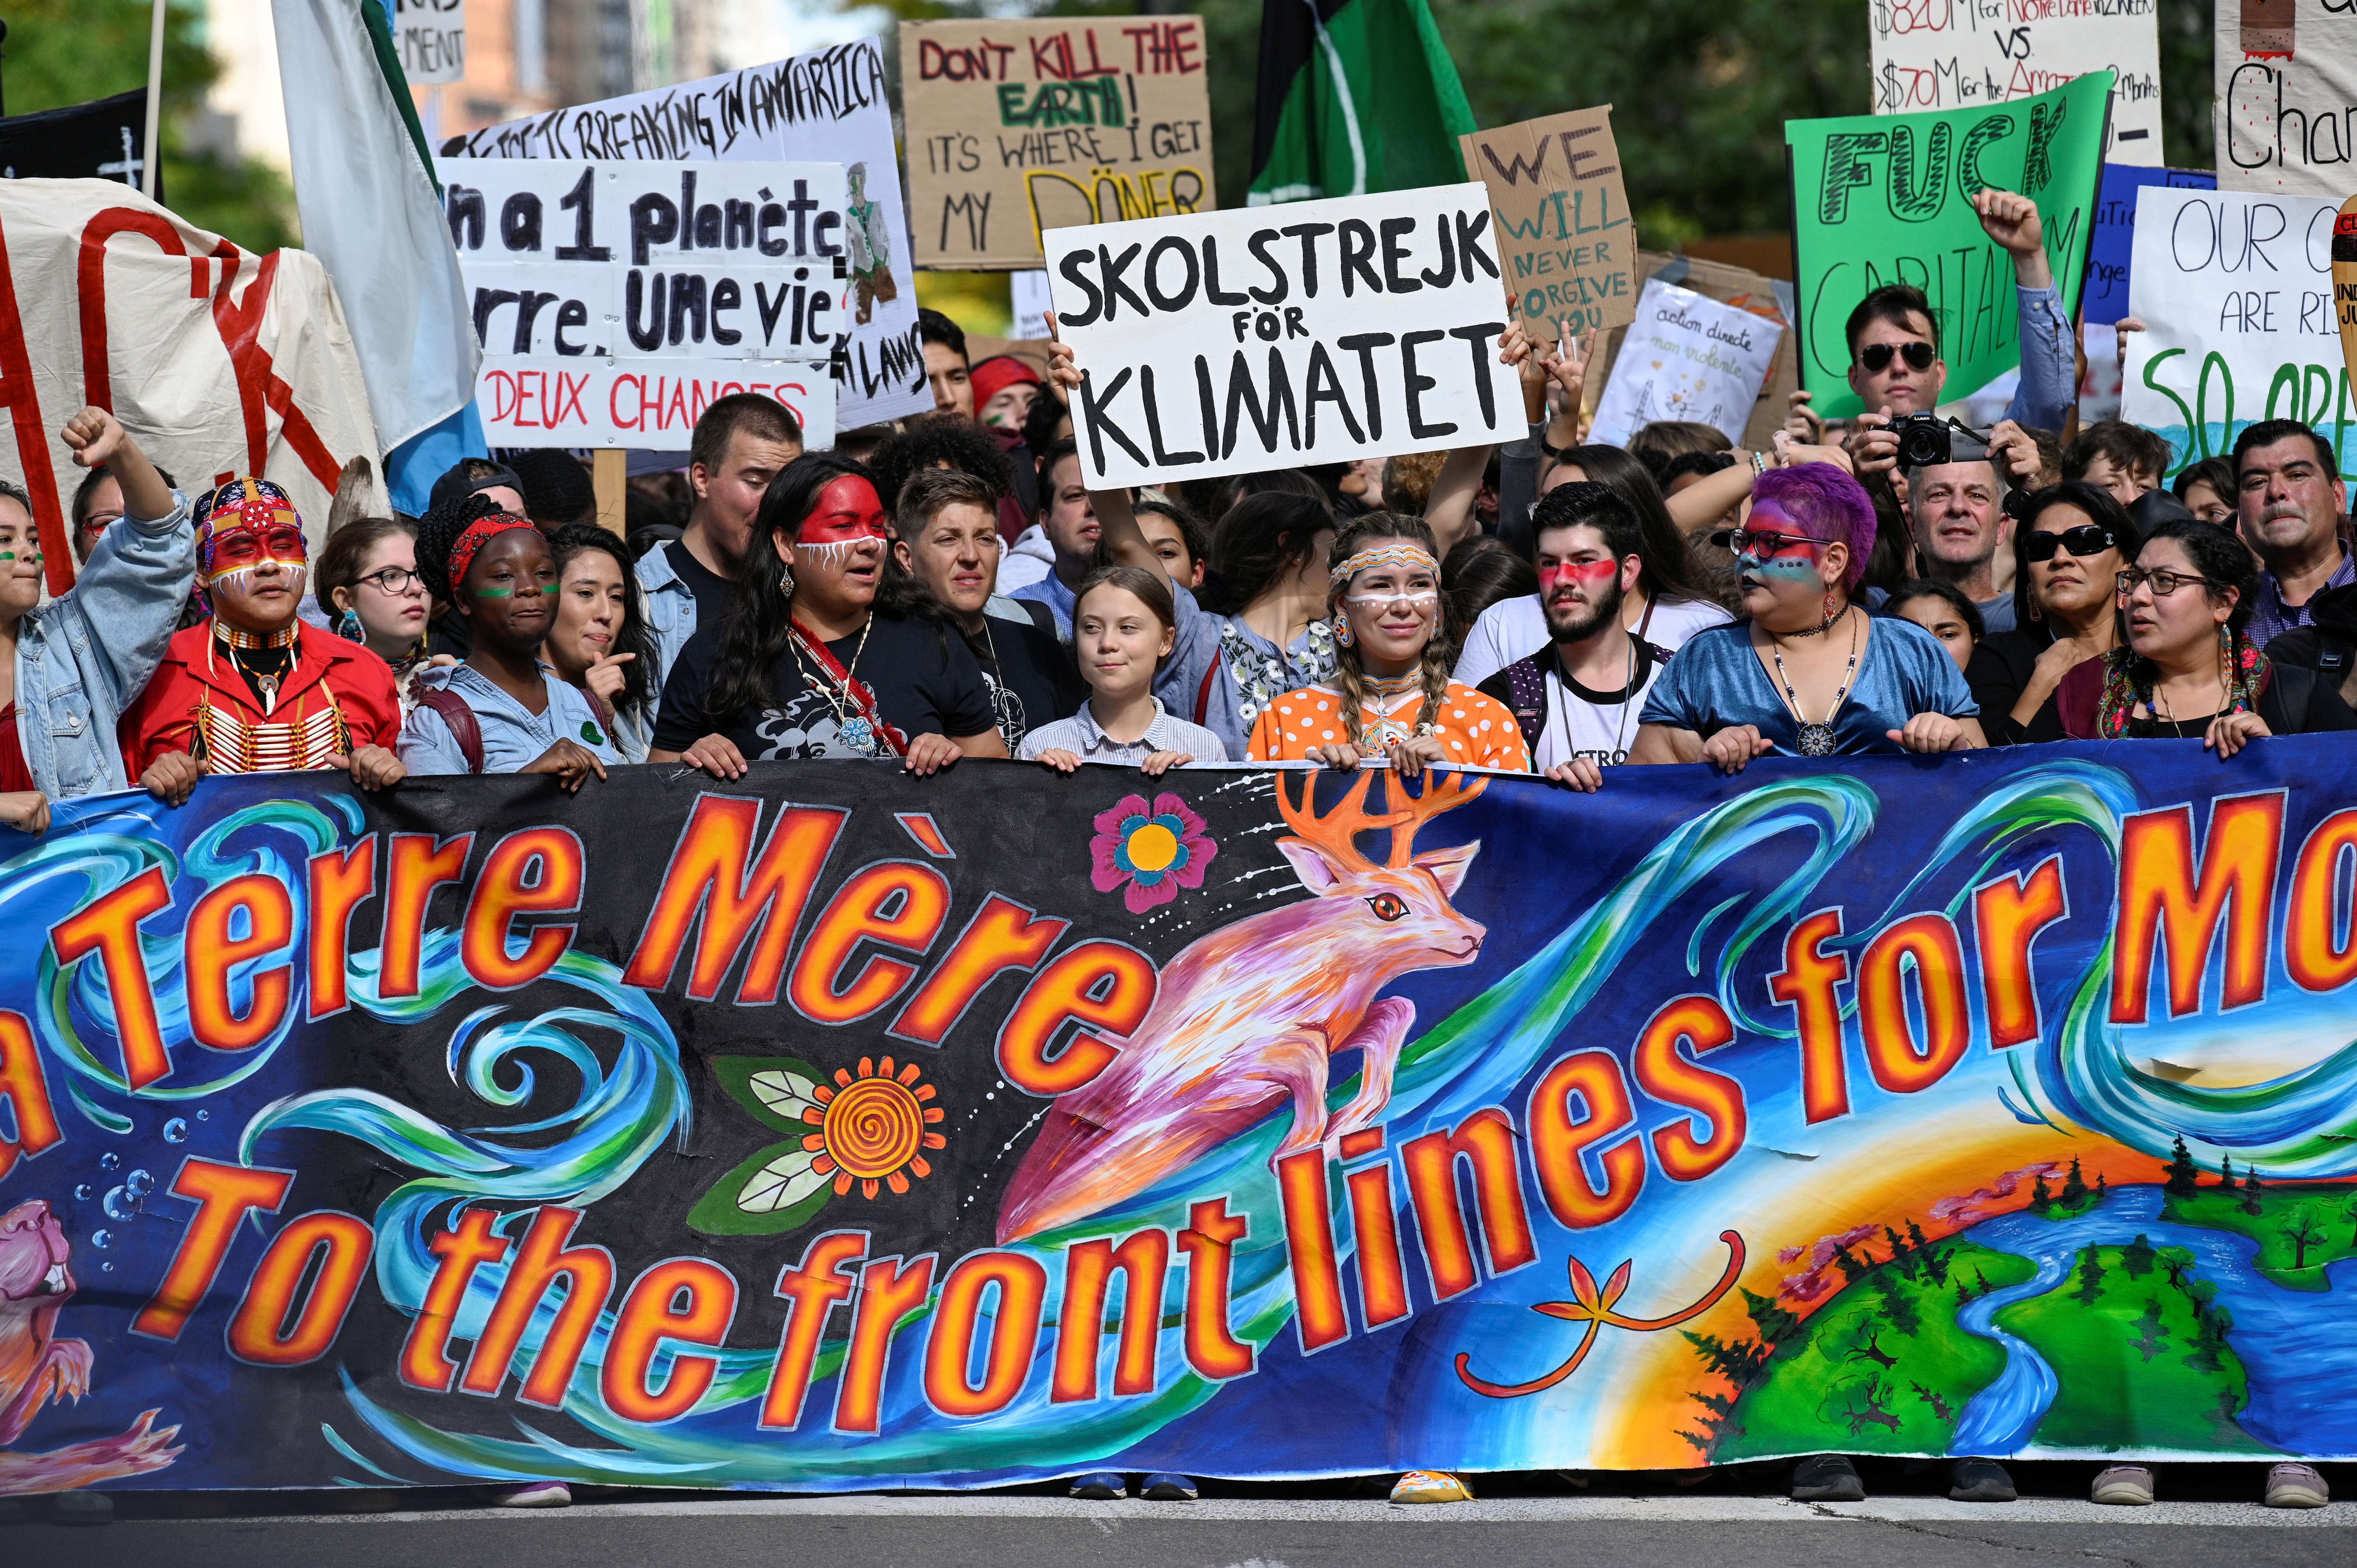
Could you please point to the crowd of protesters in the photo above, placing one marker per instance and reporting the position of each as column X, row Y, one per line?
column 953, row 589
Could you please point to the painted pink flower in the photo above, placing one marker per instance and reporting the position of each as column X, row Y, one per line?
column 1150, row 852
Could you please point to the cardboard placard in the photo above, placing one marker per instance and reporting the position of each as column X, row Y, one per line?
column 2235, row 292
column 1887, row 199
column 593, row 283
column 1231, row 342
column 1939, row 54
column 432, row 38
column 1015, row 127
column 2286, row 74
column 1687, row 357
column 1564, row 234
column 2113, row 241
column 830, row 106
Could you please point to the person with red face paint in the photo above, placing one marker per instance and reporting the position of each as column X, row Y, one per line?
column 1576, row 700
column 821, row 656
column 1811, row 674
column 253, row 689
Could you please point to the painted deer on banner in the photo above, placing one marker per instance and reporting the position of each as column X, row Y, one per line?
column 1251, row 1015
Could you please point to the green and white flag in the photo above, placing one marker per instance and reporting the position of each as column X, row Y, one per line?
column 372, row 213
column 1356, row 97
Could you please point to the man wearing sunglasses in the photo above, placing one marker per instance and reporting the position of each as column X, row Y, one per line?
column 1894, row 345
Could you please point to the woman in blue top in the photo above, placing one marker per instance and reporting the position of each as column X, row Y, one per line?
column 497, row 573
column 1811, row 673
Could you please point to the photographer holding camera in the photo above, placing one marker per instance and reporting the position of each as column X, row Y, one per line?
column 1894, row 346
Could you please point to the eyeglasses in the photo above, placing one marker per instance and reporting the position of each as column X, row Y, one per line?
column 247, row 547
column 1767, row 541
column 2162, row 583
column 393, row 582
column 1876, row 357
column 2087, row 539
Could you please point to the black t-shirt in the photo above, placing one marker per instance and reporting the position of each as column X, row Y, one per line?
column 924, row 681
column 1035, row 680
column 714, row 592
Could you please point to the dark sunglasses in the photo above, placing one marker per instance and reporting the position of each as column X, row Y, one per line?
column 1876, row 357
column 2087, row 539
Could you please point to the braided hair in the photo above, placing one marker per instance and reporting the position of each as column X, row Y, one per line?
column 1349, row 672
column 438, row 530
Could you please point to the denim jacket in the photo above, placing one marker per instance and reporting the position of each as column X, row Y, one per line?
column 85, row 656
column 669, row 605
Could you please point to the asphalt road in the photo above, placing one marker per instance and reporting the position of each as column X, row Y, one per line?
column 1312, row 1528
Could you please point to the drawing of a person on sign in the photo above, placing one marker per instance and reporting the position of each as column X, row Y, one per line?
column 871, row 249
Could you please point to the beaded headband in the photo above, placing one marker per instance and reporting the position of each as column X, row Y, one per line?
column 244, row 503
column 1394, row 553
column 476, row 535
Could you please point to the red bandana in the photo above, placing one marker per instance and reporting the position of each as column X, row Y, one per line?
column 478, row 533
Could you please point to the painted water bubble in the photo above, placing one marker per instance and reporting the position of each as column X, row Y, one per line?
column 139, row 1183
column 120, row 1204
column 82, row 1192
column 109, row 1160
column 102, row 1238
column 176, row 1131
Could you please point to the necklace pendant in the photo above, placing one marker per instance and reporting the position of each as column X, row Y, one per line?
column 858, row 735
column 1816, row 740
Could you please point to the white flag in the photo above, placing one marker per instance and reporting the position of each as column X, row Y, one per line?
column 371, row 213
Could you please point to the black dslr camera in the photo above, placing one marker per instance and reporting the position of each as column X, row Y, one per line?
column 1927, row 441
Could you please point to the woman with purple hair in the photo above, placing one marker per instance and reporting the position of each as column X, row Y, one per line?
column 1810, row 673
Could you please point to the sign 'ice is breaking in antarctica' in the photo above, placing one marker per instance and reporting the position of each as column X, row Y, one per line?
column 1318, row 332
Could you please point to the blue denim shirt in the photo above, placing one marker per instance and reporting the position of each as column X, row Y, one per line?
column 2050, row 361
column 514, row 735
column 85, row 656
column 668, row 605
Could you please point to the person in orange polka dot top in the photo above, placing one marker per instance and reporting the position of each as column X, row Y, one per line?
column 1390, row 694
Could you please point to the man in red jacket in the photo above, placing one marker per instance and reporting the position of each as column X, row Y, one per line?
column 254, row 690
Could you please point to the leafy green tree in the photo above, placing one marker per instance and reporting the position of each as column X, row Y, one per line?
column 61, row 53
column 2302, row 1231
column 1700, row 88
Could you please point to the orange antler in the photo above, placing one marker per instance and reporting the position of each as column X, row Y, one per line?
column 1335, row 832
column 1441, row 793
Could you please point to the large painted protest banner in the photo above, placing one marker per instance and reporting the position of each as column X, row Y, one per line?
column 2235, row 292
column 224, row 363
column 832, row 1129
column 1887, row 199
column 616, row 300
column 1016, row 126
column 2285, row 73
column 1231, row 343
column 1564, row 233
column 1953, row 54
column 829, row 105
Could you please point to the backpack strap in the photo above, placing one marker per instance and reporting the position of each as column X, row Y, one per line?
column 1203, row 692
column 2335, row 652
column 605, row 712
column 1527, row 692
column 465, row 728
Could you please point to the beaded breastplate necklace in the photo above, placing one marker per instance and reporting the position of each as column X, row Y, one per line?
column 302, row 738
